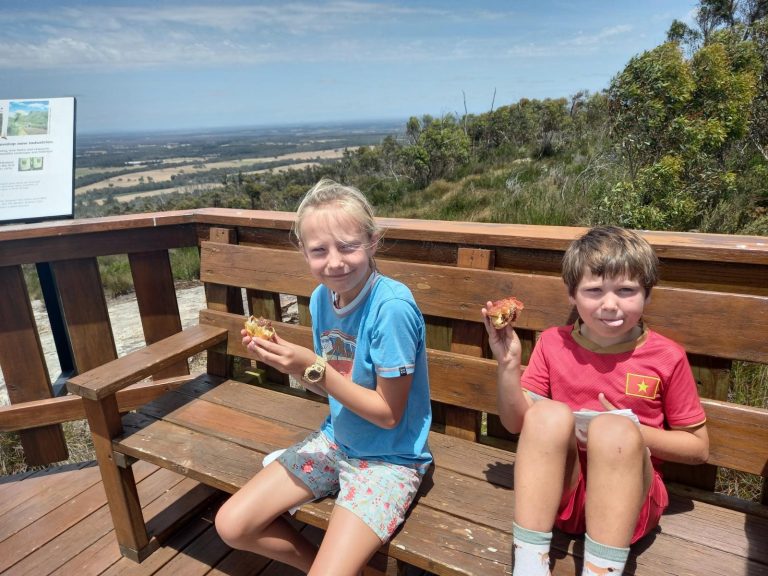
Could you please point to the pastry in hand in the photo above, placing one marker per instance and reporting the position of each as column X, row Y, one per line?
column 505, row 311
column 259, row 328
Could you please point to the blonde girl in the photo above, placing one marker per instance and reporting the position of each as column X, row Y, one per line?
column 369, row 359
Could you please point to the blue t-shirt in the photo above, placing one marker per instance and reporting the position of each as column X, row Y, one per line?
column 381, row 332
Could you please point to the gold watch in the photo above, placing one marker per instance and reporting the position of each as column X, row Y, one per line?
column 315, row 371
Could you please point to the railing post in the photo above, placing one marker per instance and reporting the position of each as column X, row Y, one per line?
column 157, row 301
column 224, row 299
column 23, row 364
column 58, row 326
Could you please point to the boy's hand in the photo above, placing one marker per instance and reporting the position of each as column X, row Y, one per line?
column 504, row 342
column 607, row 405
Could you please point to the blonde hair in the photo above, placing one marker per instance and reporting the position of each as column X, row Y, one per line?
column 328, row 193
column 613, row 252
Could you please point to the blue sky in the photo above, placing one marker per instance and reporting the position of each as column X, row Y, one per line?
column 144, row 65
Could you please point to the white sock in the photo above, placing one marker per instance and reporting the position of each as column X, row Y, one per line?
column 531, row 551
column 601, row 559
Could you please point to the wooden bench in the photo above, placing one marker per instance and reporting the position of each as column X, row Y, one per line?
column 216, row 429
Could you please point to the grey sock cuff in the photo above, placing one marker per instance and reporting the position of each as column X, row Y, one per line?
column 604, row 551
column 531, row 536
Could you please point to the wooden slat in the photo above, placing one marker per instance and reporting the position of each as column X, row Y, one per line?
column 90, row 238
column 85, row 312
column 156, row 298
column 68, row 408
column 109, row 378
column 738, row 436
column 28, row 501
column 23, row 365
column 18, row 547
column 175, row 545
column 691, row 317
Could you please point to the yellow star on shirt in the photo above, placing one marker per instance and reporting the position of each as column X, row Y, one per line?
column 642, row 387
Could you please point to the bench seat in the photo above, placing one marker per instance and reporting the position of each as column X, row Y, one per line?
column 217, row 431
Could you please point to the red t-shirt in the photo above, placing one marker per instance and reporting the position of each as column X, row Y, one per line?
column 651, row 376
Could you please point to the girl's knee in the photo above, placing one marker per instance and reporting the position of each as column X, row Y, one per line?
column 230, row 527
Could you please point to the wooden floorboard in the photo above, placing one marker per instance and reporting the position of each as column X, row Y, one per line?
column 56, row 522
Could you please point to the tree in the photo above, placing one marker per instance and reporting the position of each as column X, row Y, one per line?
column 676, row 123
column 439, row 147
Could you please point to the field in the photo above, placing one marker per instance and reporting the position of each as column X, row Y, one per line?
column 196, row 166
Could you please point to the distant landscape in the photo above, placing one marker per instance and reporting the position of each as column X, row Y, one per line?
column 129, row 167
column 677, row 141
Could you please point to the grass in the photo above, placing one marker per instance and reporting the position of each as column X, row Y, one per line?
column 749, row 386
column 79, row 445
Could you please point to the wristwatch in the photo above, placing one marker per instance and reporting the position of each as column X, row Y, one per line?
column 315, row 371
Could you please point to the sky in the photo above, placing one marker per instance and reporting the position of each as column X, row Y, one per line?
column 144, row 65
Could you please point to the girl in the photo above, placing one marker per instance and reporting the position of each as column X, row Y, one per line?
column 369, row 358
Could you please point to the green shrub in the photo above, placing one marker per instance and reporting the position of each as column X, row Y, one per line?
column 185, row 263
column 115, row 275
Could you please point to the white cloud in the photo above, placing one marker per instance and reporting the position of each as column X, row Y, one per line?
column 593, row 40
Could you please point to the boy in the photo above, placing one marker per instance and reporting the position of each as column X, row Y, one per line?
column 611, row 363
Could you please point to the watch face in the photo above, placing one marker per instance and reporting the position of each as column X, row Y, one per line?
column 314, row 373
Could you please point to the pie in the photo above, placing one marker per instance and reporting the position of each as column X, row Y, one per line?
column 259, row 328
column 503, row 312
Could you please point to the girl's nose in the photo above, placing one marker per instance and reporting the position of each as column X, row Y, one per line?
column 335, row 259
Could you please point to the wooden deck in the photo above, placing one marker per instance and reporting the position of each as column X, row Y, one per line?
column 57, row 522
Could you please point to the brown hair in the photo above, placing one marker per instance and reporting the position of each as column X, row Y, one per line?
column 610, row 251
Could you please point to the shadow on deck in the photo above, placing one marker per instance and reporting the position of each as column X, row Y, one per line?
column 56, row 521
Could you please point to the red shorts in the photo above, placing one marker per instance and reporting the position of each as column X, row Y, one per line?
column 571, row 516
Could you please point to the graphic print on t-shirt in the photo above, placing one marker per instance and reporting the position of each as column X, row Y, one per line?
column 339, row 350
column 642, row 386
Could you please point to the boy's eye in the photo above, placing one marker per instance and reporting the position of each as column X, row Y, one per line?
column 348, row 247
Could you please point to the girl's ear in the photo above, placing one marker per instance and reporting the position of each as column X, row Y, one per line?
column 303, row 252
column 375, row 239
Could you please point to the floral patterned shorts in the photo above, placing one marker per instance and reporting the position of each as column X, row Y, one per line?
column 379, row 493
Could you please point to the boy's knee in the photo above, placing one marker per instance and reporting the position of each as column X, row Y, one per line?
column 547, row 419
column 616, row 437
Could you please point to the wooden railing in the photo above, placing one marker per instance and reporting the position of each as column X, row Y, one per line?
column 66, row 254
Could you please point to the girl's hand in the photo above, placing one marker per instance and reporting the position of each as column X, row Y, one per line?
column 280, row 354
column 504, row 342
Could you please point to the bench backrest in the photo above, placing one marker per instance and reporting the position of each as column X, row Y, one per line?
column 716, row 326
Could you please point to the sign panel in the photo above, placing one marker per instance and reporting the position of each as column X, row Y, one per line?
column 37, row 159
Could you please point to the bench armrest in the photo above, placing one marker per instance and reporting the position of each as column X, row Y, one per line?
column 108, row 378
